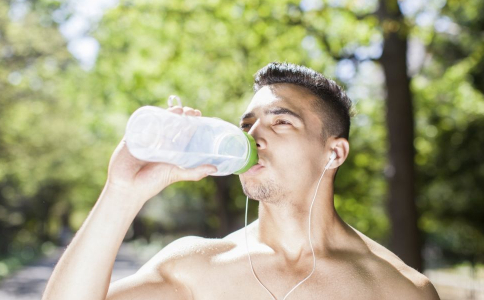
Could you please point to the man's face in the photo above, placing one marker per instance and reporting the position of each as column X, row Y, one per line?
column 284, row 122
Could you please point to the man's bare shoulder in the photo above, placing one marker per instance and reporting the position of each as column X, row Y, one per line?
column 189, row 252
column 173, row 271
column 393, row 269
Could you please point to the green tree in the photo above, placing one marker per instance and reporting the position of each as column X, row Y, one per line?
column 44, row 134
column 449, row 92
column 59, row 123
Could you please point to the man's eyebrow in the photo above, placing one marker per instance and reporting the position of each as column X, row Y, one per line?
column 273, row 111
column 247, row 116
column 282, row 111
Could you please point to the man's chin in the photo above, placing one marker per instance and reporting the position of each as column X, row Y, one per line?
column 262, row 191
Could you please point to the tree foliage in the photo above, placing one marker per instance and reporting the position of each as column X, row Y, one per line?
column 59, row 122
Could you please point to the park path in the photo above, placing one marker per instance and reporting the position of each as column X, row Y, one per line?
column 29, row 282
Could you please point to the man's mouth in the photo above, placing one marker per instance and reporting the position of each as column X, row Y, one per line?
column 254, row 169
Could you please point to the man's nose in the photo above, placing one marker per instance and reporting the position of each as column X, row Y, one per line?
column 257, row 132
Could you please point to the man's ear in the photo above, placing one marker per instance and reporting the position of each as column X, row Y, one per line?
column 341, row 147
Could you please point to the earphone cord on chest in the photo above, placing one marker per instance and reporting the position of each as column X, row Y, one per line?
column 310, row 243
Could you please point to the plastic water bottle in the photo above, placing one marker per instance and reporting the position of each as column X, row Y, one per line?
column 157, row 135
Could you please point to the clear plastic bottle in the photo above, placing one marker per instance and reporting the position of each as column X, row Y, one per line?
column 157, row 135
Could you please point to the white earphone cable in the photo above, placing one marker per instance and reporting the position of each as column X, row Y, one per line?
column 310, row 243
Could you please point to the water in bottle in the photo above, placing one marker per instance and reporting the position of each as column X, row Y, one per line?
column 157, row 135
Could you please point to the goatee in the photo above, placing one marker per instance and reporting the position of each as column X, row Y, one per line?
column 268, row 191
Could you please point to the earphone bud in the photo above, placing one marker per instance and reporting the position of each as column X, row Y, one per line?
column 331, row 159
column 333, row 155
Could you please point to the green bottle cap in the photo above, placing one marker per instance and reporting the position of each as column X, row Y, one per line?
column 252, row 157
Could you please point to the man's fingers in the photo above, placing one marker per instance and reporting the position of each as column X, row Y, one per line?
column 176, row 109
column 195, row 174
column 188, row 111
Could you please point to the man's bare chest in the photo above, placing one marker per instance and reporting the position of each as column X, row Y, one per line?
column 240, row 283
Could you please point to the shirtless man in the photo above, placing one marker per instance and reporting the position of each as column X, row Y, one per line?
column 297, row 118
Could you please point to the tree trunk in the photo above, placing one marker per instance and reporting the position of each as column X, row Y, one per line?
column 222, row 197
column 405, row 236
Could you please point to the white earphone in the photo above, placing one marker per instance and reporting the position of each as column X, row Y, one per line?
column 332, row 157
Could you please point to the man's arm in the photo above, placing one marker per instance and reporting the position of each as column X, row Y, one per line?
column 148, row 285
column 428, row 291
column 163, row 274
column 84, row 270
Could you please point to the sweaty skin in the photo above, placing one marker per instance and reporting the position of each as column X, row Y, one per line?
column 287, row 130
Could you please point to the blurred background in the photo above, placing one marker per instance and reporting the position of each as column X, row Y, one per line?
column 72, row 72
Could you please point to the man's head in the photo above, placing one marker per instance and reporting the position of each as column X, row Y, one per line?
column 333, row 104
column 292, row 109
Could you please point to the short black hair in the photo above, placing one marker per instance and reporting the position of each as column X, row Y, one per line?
column 334, row 106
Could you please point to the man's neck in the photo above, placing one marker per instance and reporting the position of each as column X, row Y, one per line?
column 283, row 224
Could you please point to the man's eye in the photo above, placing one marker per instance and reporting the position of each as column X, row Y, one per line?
column 282, row 122
column 244, row 126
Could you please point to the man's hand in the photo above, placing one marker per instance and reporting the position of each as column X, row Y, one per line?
column 142, row 180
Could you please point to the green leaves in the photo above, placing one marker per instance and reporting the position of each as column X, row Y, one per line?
column 59, row 123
